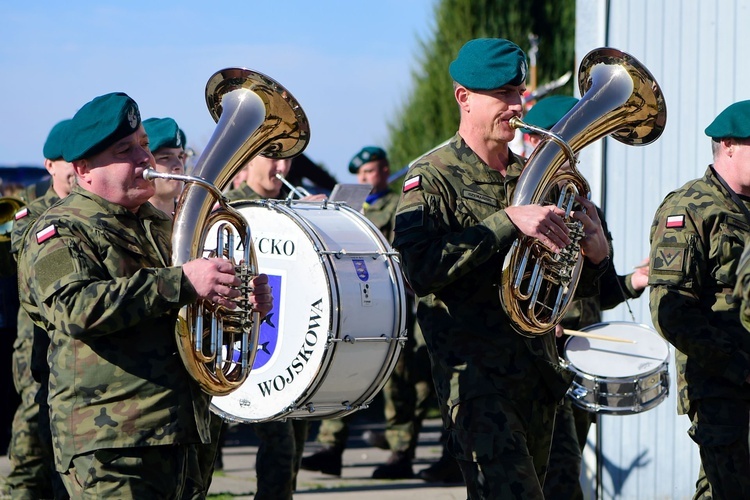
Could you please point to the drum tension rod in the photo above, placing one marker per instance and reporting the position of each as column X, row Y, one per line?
column 343, row 252
column 348, row 339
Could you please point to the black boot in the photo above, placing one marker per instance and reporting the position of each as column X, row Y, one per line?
column 445, row 470
column 327, row 461
column 376, row 439
column 398, row 466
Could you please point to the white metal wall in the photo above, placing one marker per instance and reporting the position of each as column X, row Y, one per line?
column 696, row 50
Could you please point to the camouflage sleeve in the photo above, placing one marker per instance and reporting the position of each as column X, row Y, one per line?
column 677, row 267
column 434, row 252
column 77, row 295
column 742, row 288
column 589, row 283
column 20, row 225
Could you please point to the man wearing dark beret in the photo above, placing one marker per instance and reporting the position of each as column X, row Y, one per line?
column 167, row 142
column 124, row 411
column 697, row 238
column 498, row 390
column 33, row 469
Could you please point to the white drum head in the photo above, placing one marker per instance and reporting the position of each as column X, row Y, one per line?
column 605, row 358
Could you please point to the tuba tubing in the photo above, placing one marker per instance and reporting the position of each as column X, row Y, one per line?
column 621, row 99
column 254, row 115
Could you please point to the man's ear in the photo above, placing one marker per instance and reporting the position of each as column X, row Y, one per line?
column 462, row 96
column 82, row 170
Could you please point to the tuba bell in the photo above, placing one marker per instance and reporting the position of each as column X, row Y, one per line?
column 620, row 98
column 254, row 115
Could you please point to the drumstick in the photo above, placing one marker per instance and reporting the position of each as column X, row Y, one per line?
column 578, row 333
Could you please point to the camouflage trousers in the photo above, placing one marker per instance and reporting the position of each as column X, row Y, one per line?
column 721, row 428
column 143, row 472
column 31, row 459
column 502, row 446
column 407, row 395
column 568, row 440
column 203, row 457
column 282, row 444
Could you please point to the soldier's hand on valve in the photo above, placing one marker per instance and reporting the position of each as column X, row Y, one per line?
column 261, row 297
column 544, row 223
column 594, row 245
column 214, row 280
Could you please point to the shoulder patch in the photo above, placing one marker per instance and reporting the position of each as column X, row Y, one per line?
column 669, row 259
column 22, row 213
column 46, row 233
column 409, row 219
column 675, row 221
column 412, row 183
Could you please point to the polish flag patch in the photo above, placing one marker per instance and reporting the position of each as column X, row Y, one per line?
column 675, row 221
column 412, row 183
column 46, row 233
column 22, row 213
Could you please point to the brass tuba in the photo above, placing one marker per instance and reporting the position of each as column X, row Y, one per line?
column 620, row 98
column 254, row 115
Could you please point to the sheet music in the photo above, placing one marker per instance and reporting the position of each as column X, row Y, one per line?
column 353, row 195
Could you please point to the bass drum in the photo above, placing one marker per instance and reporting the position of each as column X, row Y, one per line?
column 338, row 320
column 618, row 378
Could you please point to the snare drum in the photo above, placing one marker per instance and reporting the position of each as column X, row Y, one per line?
column 338, row 319
column 615, row 377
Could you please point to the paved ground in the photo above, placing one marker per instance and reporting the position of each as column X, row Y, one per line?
column 237, row 480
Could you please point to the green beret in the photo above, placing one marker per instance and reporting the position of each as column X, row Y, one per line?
column 53, row 146
column 99, row 124
column 489, row 63
column 732, row 122
column 366, row 154
column 548, row 111
column 164, row 133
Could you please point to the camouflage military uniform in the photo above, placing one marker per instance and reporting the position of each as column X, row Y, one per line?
column 493, row 385
column 33, row 471
column 409, row 388
column 8, row 326
column 94, row 277
column 381, row 212
column 282, row 442
column 697, row 238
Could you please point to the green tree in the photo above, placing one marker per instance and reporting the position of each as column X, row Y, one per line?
column 429, row 115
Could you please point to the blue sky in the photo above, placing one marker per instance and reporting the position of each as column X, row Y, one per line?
column 347, row 62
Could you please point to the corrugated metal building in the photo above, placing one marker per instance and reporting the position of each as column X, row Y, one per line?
column 696, row 51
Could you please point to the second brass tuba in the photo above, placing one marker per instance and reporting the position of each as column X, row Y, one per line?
column 254, row 115
column 620, row 98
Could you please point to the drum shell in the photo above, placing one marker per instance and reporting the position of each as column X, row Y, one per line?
column 339, row 313
column 638, row 376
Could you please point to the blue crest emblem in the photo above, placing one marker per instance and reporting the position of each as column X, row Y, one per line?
column 268, row 338
column 361, row 268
